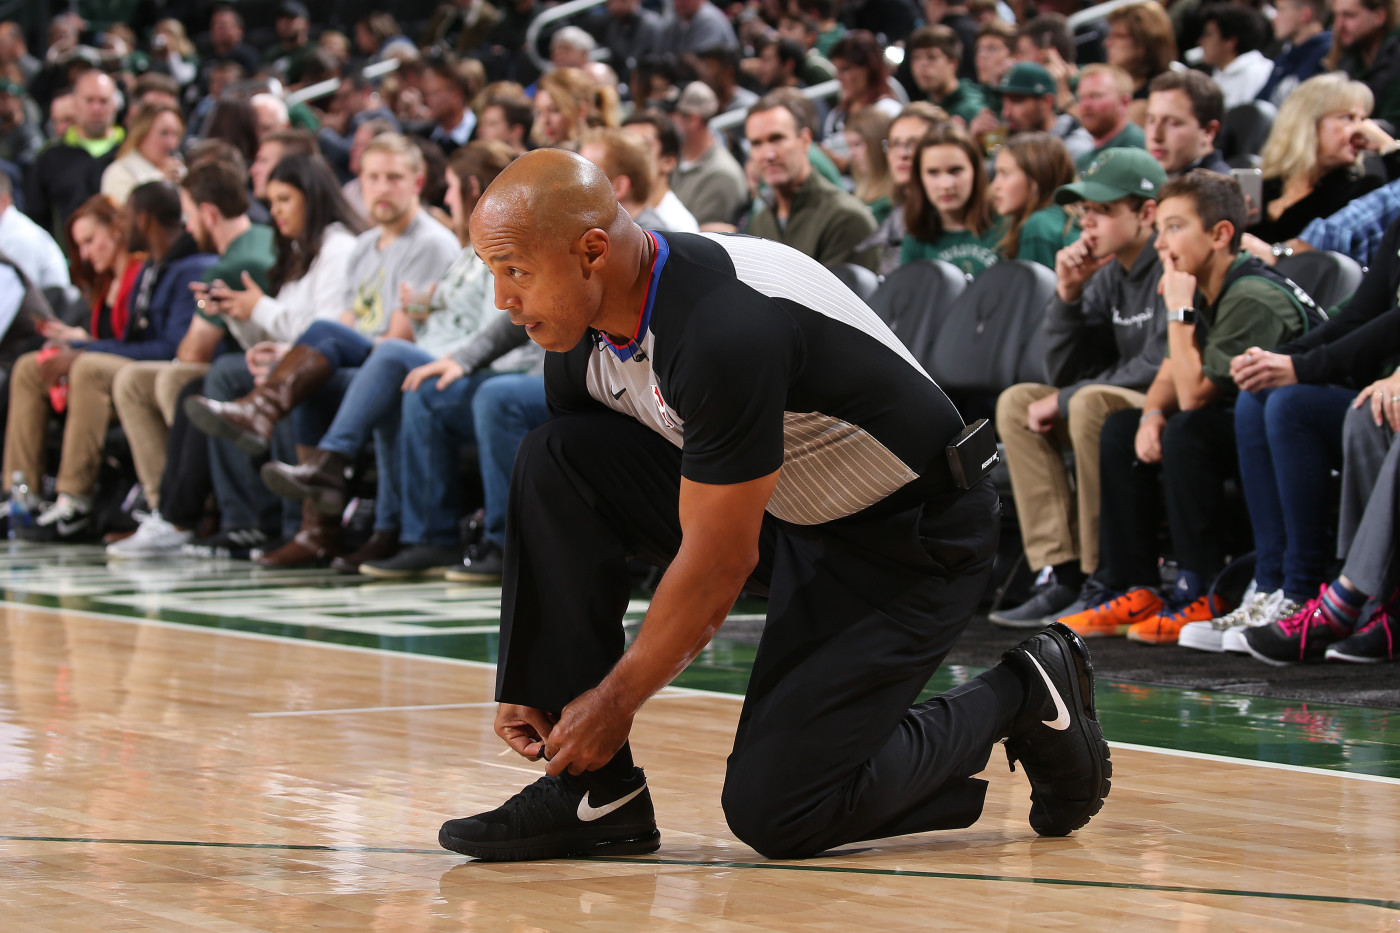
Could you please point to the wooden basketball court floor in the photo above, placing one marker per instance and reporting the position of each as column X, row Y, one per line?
column 196, row 746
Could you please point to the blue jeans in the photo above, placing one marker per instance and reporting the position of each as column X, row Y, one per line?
column 244, row 502
column 504, row 411
column 362, row 398
column 1289, row 441
column 435, row 424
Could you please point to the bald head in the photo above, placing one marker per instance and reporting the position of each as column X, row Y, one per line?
column 96, row 97
column 548, row 194
column 564, row 256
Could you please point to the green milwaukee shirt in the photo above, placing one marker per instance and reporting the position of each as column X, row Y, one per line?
column 966, row 102
column 970, row 252
column 1044, row 234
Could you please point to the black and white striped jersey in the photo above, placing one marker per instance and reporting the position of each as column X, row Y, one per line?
column 752, row 356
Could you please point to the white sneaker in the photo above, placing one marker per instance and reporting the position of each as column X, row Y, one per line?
column 1278, row 608
column 1210, row 635
column 64, row 517
column 154, row 537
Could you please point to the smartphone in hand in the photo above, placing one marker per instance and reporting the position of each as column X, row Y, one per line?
column 1251, row 182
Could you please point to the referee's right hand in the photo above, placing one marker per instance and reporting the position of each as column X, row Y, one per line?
column 524, row 728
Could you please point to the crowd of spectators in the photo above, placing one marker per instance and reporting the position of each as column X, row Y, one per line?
column 240, row 235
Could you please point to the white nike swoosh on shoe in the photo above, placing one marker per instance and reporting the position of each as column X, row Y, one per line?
column 588, row 813
column 1061, row 720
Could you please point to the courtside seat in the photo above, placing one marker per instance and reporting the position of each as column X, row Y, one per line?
column 915, row 299
column 1328, row 277
column 990, row 337
column 1243, row 132
column 858, row 279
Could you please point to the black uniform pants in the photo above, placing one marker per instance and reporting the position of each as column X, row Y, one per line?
column 1198, row 458
column 830, row 749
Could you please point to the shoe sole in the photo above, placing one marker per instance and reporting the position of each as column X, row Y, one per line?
column 1353, row 658
column 640, row 844
column 457, row 576
column 1004, row 622
column 1275, row 662
column 1076, row 655
column 255, row 445
column 380, row 573
column 1214, row 642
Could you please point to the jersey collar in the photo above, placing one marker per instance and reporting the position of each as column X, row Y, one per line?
column 632, row 349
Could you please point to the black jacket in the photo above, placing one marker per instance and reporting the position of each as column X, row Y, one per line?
column 1362, row 342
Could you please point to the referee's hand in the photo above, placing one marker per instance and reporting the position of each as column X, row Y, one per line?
column 524, row 728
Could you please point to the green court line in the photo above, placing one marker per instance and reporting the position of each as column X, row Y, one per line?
column 760, row 866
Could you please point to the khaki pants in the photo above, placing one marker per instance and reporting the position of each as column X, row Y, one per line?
column 145, row 395
column 85, row 432
column 1058, row 524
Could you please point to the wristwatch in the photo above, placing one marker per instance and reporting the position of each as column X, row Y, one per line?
column 1281, row 250
column 1182, row 315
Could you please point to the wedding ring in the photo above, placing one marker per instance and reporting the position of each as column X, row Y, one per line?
column 200, row 304
column 1395, row 398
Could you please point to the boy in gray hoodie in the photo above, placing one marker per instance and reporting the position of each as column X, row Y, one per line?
column 1105, row 340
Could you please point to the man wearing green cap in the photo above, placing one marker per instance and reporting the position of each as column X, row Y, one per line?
column 1105, row 339
column 1028, row 106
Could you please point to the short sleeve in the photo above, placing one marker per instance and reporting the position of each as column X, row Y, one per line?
column 730, row 387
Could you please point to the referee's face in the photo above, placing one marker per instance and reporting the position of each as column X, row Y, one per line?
column 541, row 284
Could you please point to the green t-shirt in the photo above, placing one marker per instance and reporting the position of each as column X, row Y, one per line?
column 1131, row 137
column 251, row 252
column 827, row 40
column 1044, row 234
column 823, row 164
column 968, row 251
column 966, row 102
column 1254, row 312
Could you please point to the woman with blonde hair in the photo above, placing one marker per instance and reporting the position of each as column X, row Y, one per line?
column 151, row 152
column 1141, row 42
column 947, row 211
column 1029, row 167
column 567, row 102
column 1312, row 159
column 866, row 131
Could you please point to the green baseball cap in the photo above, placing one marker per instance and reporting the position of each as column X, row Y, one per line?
column 1114, row 174
column 1027, row 79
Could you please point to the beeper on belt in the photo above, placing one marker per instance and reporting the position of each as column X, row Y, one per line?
column 972, row 454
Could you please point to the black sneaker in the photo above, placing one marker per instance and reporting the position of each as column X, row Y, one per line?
column 1056, row 735
column 235, row 543
column 1302, row 638
column 484, row 563
column 1049, row 598
column 416, row 560
column 1371, row 644
column 556, row 817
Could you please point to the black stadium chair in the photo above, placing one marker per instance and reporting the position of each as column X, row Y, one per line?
column 857, row 278
column 1244, row 131
column 914, row 301
column 1327, row 276
column 989, row 338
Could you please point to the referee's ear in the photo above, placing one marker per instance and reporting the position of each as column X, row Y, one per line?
column 594, row 246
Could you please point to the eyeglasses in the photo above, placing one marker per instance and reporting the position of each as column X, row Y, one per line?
column 898, row 145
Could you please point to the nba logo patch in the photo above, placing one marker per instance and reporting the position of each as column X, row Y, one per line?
column 661, row 406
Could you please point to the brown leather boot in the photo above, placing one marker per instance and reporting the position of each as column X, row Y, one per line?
column 316, row 543
column 249, row 421
column 319, row 479
column 380, row 546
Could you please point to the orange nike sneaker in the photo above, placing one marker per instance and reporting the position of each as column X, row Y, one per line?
column 1117, row 615
column 1165, row 628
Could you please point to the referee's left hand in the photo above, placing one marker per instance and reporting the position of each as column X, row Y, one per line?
column 589, row 732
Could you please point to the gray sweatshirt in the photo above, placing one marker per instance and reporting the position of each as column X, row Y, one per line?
column 1115, row 334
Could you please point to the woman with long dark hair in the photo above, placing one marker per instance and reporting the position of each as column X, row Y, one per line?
column 947, row 211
